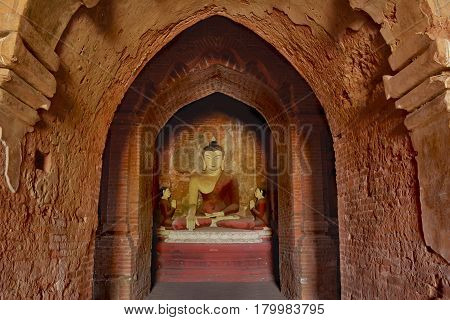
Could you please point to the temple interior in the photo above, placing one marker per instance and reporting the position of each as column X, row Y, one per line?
column 222, row 149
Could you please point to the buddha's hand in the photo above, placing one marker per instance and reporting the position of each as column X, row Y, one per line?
column 252, row 204
column 174, row 204
column 215, row 214
column 191, row 222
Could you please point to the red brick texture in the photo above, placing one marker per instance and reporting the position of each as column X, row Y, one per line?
column 206, row 262
column 379, row 216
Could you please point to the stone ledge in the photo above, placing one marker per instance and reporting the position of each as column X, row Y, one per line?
column 428, row 90
column 20, row 89
column 214, row 235
column 435, row 109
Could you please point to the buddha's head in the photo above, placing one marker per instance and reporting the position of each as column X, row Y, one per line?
column 213, row 157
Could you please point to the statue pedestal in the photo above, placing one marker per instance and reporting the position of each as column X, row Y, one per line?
column 214, row 255
column 214, row 235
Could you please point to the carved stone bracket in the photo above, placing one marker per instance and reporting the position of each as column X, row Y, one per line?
column 421, row 58
column 25, row 86
column 27, row 64
column 423, row 89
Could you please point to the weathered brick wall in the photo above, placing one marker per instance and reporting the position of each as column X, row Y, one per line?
column 117, row 232
column 383, row 255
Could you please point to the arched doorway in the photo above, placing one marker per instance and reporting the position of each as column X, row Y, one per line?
column 217, row 55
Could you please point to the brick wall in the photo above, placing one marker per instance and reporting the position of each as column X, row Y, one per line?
column 381, row 244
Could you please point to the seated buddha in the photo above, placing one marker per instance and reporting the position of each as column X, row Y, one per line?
column 219, row 192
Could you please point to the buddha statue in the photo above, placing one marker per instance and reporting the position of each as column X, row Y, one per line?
column 167, row 208
column 220, row 195
column 259, row 209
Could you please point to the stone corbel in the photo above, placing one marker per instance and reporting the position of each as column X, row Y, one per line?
column 423, row 90
column 27, row 64
column 421, row 84
column 434, row 60
column 25, row 86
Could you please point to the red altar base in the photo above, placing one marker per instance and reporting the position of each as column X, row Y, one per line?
column 214, row 262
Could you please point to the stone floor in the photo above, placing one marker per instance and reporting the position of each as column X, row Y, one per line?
column 215, row 291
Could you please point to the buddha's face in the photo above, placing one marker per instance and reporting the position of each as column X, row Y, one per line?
column 258, row 193
column 213, row 160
